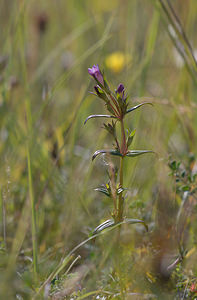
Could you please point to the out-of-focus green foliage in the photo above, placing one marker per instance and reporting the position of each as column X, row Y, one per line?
column 45, row 51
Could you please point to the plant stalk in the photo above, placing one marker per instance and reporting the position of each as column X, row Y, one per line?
column 33, row 212
column 123, row 151
column 120, row 202
column 31, row 192
column 28, row 147
column 123, row 139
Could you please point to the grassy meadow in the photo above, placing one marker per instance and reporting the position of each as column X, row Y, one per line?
column 49, row 208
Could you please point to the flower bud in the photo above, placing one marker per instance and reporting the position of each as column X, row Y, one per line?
column 120, row 90
column 100, row 93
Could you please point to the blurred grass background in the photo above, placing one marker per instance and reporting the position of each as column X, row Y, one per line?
column 45, row 51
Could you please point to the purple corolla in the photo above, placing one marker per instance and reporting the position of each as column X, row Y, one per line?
column 96, row 73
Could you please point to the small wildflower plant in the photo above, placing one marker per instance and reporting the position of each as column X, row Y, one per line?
column 118, row 108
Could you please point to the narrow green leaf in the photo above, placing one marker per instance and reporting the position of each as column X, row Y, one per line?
column 173, row 165
column 103, row 190
column 103, row 226
column 137, row 106
column 109, row 108
column 111, row 223
column 134, row 153
column 135, row 221
column 98, row 116
column 130, row 138
column 112, row 152
column 185, row 188
column 120, row 190
column 111, row 128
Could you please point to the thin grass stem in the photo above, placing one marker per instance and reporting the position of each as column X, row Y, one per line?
column 33, row 213
column 22, row 37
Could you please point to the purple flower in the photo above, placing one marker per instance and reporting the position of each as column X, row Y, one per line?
column 96, row 73
column 120, row 89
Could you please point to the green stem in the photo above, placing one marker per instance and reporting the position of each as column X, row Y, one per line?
column 115, row 103
column 3, row 216
column 31, row 193
column 123, row 151
column 33, row 214
column 113, row 108
column 120, row 203
column 123, row 139
column 113, row 188
column 22, row 37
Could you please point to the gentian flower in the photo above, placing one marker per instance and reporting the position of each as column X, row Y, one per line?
column 120, row 90
column 96, row 73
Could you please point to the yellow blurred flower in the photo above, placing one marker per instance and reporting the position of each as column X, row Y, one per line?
column 116, row 61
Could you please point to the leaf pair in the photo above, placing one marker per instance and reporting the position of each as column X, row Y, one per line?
column 130, row 153
column 110, row 116
column 111, row 152
column 105, row 189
